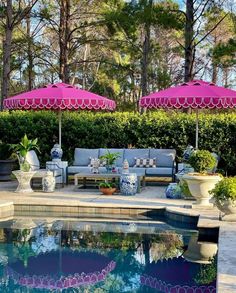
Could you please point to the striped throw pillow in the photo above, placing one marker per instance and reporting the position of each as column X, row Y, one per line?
column 145, row 163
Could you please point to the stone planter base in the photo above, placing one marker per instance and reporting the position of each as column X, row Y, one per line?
column 228, row 208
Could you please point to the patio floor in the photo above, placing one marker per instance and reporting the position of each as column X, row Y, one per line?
column 150, row 197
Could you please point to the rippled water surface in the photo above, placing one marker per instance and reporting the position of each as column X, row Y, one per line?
column 90, row 256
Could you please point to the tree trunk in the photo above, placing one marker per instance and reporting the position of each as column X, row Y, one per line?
column 145, row 60
column 64, row 31
column 214, row 72
column 189, row 47
column 7, row 52
column 29, row 53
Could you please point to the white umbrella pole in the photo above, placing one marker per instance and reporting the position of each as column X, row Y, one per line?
column 59, row 119
column 196, row 129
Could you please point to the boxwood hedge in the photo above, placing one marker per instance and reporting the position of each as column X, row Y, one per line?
column 159, row 129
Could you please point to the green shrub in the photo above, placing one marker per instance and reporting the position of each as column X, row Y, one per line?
column 224, row 189
column 202, row 161
column 156, row 129
column 107, row 185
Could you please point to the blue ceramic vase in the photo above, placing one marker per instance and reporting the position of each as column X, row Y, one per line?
column 56, row 153
column 173, row 190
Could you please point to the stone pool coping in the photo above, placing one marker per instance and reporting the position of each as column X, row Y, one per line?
column 67, row 201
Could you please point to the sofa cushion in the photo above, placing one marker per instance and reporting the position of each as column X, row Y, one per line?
column 164, row 157
column 82, row 156
column 120, row 160
column 145, row 163
column 159, row 171
column 131, row 154
column 78, row 169
column 138, row 171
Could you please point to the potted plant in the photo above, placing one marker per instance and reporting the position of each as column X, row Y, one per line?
column 107, row 188
column 202, row 180
column 224, row 194
column 21, row 149
column 7, row 161
column 109, row 159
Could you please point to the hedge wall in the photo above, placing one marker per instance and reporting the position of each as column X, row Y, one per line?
column 159, row 129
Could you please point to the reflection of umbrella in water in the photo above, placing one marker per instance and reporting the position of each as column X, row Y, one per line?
column 174, row 275
column 76, row 269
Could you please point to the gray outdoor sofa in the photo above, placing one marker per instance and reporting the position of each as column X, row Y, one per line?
column 165, row 161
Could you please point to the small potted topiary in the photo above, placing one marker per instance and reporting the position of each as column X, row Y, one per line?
column 202, row 180
column 224, row 195
column 107, row 188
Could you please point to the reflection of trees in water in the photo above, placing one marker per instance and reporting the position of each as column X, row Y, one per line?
column 120, row 247
column 207, row 272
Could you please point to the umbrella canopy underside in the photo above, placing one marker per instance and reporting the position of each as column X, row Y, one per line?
column 59, row 96
column 196, row 94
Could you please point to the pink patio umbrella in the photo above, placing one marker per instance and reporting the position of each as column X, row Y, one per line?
column 196, row 94
column 58, row 97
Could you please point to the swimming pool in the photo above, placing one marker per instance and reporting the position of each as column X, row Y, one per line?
column 99, row 256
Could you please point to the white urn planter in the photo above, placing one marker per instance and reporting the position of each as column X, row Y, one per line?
column 200, row 252
column 200, row 185
column 228, row 207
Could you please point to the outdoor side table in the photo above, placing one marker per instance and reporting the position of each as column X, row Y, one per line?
column 56, row 165
column 23, row 180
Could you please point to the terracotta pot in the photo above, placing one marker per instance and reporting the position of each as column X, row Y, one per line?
column 108, row 191
column 200, row 185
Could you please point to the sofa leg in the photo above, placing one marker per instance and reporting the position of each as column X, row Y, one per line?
column 144, row 182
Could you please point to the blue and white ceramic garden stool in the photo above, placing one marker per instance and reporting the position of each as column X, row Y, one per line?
column 128, row 183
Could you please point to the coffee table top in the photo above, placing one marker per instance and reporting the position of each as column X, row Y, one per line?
column 101, row 175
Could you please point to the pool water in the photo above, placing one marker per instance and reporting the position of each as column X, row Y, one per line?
column 87, row 256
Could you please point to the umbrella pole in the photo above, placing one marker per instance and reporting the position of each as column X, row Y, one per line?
column 59, row 119
column 196, row 129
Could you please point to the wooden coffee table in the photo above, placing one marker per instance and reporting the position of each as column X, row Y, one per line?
column 103, row 176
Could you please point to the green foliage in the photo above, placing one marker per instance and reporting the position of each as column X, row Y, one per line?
column 110, row 158
column 156, row 129
column 25, row 145
column 107, row 185
column 185, row 189
column 224, row 190
column 207, row 273
column 5, row 151
column 202, row 161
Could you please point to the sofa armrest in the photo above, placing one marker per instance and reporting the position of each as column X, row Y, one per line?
column 53, row 168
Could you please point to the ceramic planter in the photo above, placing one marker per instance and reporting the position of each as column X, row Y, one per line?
column 228, row 207
column 200, row 185
column 107, row 191
column 6, row 167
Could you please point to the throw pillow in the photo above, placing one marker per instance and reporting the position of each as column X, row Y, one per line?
column 96, row 161
column 145, row 163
